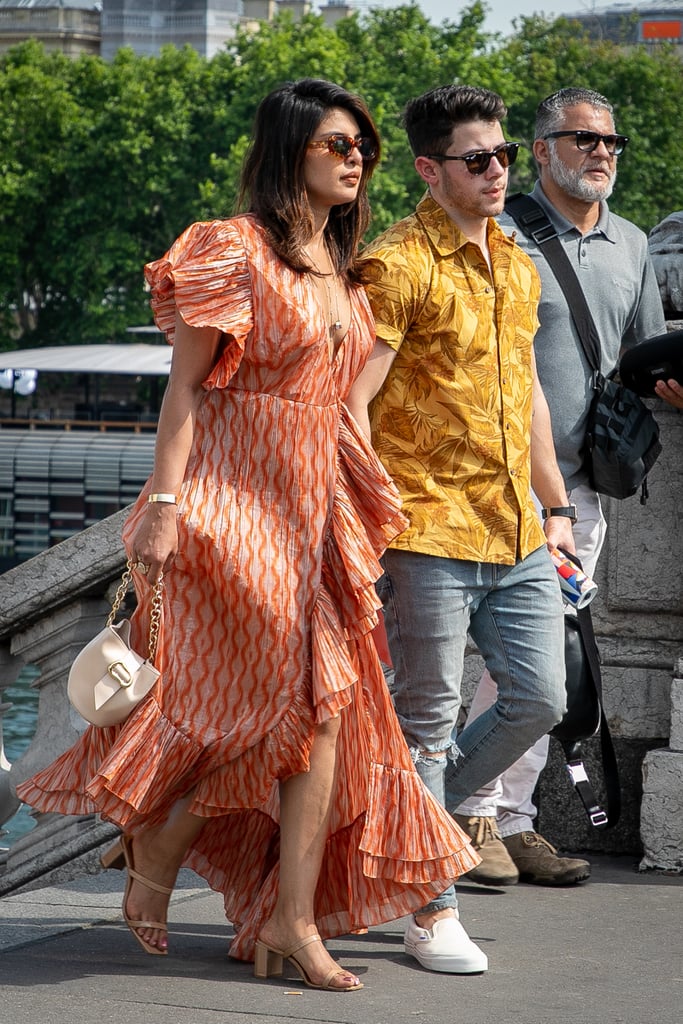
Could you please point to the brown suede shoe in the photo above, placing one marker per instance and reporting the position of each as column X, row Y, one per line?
column 539, row 863
column 497, row 867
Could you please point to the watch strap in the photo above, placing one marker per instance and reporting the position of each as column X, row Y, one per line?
column 568, row 511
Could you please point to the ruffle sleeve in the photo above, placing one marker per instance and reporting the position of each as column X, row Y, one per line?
column 205, row 276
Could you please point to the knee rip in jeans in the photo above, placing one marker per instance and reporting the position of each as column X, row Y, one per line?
column 421, row 756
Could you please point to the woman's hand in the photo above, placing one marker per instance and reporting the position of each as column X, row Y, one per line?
column 155, row 543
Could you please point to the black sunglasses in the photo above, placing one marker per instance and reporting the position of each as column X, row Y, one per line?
column 477, row 163
column 586, row 141
column 343, row 146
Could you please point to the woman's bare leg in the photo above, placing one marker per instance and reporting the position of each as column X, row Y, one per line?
column 305, row 802
column 158, row 854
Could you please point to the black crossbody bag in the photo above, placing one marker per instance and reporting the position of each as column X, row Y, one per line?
column 622, row 436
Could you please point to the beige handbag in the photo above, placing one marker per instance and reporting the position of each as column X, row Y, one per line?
column 108, row 679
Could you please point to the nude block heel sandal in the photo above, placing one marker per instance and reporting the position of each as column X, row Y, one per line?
column 268, row 961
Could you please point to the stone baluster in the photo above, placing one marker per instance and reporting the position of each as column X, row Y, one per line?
column 51, row 644
column 10, row 667
column 50, row 607
column 661, row 812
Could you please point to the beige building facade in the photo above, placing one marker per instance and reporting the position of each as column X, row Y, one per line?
column 101, row 27
column 72, row 28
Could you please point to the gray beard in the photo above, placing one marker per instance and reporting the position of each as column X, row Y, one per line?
column 574, row 184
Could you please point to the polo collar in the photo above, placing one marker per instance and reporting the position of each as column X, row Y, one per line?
column 563, row 226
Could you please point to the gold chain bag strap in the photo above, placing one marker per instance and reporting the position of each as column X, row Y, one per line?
column 108, row 679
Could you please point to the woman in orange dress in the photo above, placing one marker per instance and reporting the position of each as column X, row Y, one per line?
column 268, row 758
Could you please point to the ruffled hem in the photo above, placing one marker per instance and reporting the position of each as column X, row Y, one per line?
column 133, row 774
column 429, row 850
column 366, row 515
column 391, row 847
column 400, row 853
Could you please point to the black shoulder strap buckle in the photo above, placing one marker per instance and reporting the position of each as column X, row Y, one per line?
column 530, row 217
column 543, row 234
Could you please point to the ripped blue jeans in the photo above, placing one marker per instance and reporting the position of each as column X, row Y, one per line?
column 514, row 614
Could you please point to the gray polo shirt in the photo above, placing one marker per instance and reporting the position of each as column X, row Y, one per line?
column 614, row 268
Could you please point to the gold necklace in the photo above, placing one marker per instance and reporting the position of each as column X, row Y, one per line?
column 336, row 324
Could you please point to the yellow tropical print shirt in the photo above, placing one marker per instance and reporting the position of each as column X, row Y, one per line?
column 452, row 420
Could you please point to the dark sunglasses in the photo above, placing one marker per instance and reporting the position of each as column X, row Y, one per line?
column 343, row 145
column 477, row 163
column 586, row 142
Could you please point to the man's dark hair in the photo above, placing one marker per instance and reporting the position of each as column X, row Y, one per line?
column 550, row 111
column 430, row 119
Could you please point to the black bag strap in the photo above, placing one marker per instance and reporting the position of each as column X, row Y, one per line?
column 575, row 766
column 572, row 750
column 532, row 219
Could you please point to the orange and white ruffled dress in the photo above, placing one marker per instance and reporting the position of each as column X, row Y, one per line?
column 268, row 613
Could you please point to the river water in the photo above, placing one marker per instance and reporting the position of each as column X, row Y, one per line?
column 18, row 726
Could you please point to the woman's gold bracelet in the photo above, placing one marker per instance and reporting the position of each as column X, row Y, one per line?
column 170, row 499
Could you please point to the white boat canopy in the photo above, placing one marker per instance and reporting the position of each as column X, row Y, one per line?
column 134, row 359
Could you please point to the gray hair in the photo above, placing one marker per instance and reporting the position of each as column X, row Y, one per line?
column 550, row 111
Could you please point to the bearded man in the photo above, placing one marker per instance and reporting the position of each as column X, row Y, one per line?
column 576, row 149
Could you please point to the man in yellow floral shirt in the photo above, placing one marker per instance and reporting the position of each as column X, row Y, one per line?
column 451, row 400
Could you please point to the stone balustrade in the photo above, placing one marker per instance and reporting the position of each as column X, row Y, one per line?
column 50, row 606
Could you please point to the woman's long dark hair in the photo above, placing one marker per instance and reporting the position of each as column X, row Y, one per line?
column 272, row 183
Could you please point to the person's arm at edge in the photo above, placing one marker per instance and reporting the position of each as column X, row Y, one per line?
column 194, row 354
column 367, row 384
column 671, row 391
column 649, row 322
column 546, row 478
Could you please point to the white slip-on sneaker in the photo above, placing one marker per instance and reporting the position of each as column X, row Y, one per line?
column 445, row 946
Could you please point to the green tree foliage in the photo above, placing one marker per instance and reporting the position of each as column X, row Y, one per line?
column 111, row 154
column 102, row 164
column 36, row 114
column 394, row 55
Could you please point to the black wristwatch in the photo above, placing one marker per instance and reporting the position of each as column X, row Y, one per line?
column 568, row 511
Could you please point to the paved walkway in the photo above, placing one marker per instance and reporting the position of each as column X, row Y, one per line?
column 608, row 952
